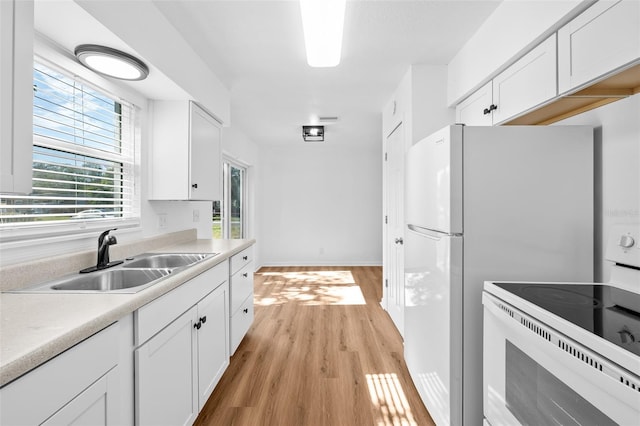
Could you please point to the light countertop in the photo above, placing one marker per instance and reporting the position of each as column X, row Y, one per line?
column 35, row 327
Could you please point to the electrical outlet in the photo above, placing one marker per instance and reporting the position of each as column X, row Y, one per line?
column 162, row 220
column 196, row 215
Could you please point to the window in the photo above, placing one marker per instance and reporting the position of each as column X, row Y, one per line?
column 83, row 157
column 229, row 214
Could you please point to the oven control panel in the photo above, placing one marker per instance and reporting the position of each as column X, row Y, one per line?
column 623, row 245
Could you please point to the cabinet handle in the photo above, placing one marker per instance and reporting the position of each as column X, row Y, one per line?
column 246, row 274
column 245, row 257
column 195, row 186
column 245, row 310
column 492, row 107
column 203, row 319
column 198, row 325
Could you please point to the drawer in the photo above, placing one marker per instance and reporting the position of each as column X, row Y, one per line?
column 240, row 323
column 241, row 286
column 242, row 259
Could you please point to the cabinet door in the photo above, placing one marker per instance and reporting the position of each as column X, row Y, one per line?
column 95, row 406
column 16, row 95
column 205, row 176
column 166, row 387
column 471, row 111
column 527, row 83
column 604, row 37
column 213, row 341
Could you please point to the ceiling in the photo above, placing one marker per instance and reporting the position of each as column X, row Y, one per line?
column 256, row 48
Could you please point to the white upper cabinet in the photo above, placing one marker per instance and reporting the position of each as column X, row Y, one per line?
column 603, row 38
column 527, row 83
column 474, row 111
column 185, row 153
column 16, row 95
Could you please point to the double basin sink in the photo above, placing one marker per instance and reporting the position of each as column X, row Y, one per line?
column 133, row 275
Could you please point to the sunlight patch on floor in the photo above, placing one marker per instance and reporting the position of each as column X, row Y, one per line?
column 389, row 400
column 312, row 288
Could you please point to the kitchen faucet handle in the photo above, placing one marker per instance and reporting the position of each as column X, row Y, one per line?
column 105, row 233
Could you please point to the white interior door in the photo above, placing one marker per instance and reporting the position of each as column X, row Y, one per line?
column 395, row 233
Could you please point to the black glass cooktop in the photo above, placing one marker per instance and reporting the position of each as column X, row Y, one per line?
column 609, row 312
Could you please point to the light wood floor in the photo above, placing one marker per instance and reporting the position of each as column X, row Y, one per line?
column 321, row 351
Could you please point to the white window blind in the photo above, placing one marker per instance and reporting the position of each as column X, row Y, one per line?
column 83, row 156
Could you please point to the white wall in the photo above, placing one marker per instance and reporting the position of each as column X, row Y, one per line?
column 320, row 204
column 617, row 170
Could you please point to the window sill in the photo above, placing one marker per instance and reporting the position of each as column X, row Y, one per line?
column 28, row 235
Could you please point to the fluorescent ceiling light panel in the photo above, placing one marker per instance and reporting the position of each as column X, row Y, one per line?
column 323, row 23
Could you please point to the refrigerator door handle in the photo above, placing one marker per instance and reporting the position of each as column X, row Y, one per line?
column 436, row 236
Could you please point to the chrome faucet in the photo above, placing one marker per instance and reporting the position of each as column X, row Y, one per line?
column 104, row 241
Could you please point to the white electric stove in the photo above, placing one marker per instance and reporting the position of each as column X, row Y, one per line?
column 566, row 353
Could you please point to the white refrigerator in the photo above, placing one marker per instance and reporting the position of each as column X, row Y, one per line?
column 486, row 203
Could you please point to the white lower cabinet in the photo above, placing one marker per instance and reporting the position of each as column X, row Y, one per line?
column 165, row 375
column 241, row 292
column 91, row 407
column 81, row 386
column 213, row 352
column 178, row 368
column 241, row 322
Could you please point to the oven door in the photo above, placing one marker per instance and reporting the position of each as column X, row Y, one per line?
column 534, row 375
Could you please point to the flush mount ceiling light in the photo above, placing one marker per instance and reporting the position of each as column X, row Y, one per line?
column 111, row 62
column 313, row 133
column 323, row 22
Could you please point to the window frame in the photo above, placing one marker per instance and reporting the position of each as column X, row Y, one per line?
column 225, row 215
column 56, row 58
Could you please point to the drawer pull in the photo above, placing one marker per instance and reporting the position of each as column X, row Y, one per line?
column 245, row 257
column 197, row 325
column 203, row 319
column 245, row 310
column 246, row 274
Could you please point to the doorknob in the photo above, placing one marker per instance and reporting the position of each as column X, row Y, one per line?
column 399, row 241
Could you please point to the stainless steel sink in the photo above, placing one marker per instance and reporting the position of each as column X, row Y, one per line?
column 106, row 281
column 166, row 260
column 133, row 275
column 113, row 280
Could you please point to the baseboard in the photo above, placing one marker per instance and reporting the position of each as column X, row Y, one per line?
column 315, row 263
